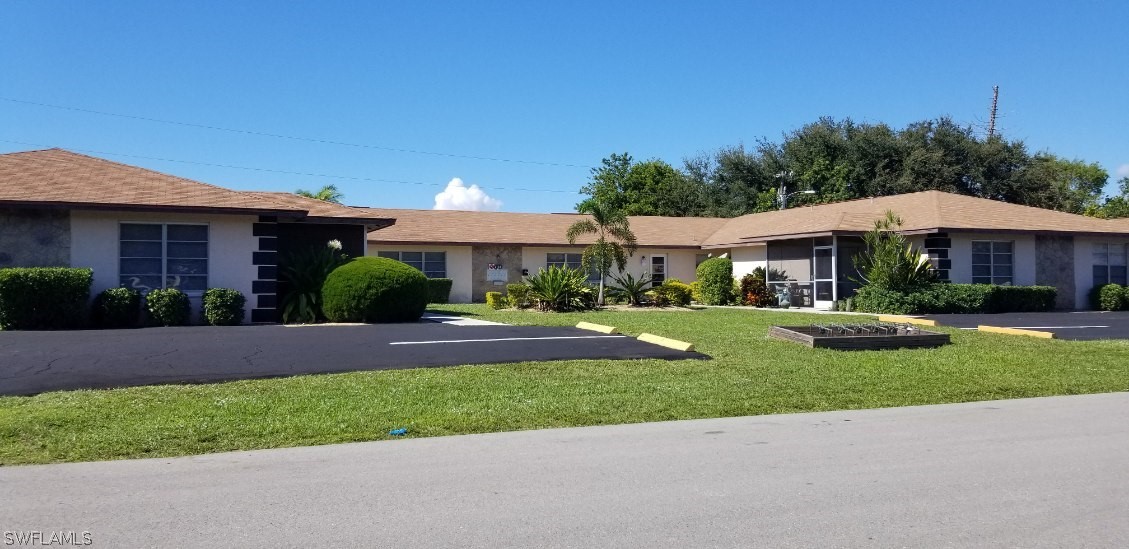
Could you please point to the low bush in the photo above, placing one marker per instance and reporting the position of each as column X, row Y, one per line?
column 517, row 296
column 956, row 299
column 696, row 291
column 43, row 298
column 561, row 290
column 1113, row 297
column 116, row 308
column 754, row 292
column 656, row 297
column 495, row 300
column 675, row 292
column 168, row 307
column 716, row 278
column 224, row 307
column 374, row 289
column 439, row 290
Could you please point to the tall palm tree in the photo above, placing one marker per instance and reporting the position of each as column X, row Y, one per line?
column 328, row 193
column 614, row 240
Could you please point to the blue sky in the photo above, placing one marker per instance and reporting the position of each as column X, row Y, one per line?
column 551, row 88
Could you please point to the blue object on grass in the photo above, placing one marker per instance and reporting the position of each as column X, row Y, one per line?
column 399, row 432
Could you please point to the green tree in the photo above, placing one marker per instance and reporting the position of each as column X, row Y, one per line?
column 328, row 193
column 1114, row 206
column 614, row 240
column 652, row 187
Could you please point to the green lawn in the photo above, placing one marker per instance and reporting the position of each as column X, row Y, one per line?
column 748, row 374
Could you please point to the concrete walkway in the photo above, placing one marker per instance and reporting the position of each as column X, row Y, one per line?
column 1049, row 472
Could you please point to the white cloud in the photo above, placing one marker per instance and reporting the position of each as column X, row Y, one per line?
column 458, row 196
column 1123, row 170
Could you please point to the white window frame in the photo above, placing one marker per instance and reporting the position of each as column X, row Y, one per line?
column 993, row 263
column 423, row 261
column 593, row 276
column 164, row 259
column 1108, row 264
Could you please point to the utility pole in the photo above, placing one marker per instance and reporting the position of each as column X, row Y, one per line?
column 992, row 114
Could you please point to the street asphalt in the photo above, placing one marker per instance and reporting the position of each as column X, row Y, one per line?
column 1046, row 472
column 1081, row 325
column 35, row 362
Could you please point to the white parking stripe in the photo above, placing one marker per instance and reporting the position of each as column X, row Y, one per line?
column 1046, row 327
column 501, row 339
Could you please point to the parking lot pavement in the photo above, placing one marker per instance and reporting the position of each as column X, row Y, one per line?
column 1081, row 325
column 35, row 362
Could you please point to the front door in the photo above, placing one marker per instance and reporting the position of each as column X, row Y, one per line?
column 824, row 277
column 658, row 269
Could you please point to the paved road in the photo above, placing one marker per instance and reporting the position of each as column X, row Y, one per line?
column 1065, row 325
column 1048, row 472
column 34, row 362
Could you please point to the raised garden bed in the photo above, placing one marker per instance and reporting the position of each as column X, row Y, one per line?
column 859, row 336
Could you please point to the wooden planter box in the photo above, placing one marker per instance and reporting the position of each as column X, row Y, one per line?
column 898, row 338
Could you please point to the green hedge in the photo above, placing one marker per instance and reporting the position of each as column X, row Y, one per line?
column 168, row 307
column 715, row 281
column 116, row 308
column 374, row 289
column 439, row 290
column 224, row 307
column 44, row 298
column 957, row 299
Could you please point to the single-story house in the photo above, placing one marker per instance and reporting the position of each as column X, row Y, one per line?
column 144, row 229
column 968, row 239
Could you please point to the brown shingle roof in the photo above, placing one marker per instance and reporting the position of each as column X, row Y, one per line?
column 921, row 212
column 320, row 209
column 534, row 229
column 56, row 177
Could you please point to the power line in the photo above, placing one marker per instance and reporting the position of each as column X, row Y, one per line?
column 292, row 137
column 271, row 170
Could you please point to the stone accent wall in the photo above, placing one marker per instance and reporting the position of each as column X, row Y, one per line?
column 480, row 259
column 35, row 238
column 1054, row 266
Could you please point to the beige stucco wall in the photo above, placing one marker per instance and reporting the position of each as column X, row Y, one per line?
column 458, row 265
column 680, row 262
column 748, row 258
column 1023, row 250
column 94, row 244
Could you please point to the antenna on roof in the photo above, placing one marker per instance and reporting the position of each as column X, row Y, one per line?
column 992, row 112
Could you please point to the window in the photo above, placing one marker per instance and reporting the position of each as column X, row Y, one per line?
column 992, row 262
column 433, row 264
column 570, row 261
column 1109, row 264
column 155, row 255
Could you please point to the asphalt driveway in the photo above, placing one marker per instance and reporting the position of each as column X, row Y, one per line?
column 35, row 362
column 1081, row 325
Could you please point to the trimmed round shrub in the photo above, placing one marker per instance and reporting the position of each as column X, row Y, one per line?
column 1112, row 297
column 116, row 308
column 224, row 307
column 374, row 289
column 168, row 307
column 675, row 292
column 715, row 276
